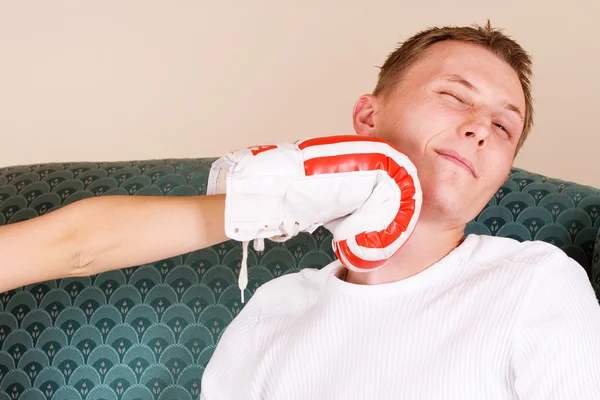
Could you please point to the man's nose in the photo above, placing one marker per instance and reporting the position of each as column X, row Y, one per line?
column 477, row 130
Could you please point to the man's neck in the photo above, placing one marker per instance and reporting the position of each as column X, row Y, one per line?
column 428, row 244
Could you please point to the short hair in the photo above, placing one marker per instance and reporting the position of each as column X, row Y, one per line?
column 494, row 40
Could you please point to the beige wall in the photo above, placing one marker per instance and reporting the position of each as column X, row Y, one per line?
column 120, row 80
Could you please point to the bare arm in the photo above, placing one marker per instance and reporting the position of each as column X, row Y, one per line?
column 105, row 233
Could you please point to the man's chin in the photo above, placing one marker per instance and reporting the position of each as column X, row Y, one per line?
column 444, row 205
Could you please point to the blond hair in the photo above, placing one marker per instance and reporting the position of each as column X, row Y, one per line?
column 492, row 39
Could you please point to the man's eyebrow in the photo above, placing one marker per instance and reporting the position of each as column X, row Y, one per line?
column 462, row 81
column 515, row 109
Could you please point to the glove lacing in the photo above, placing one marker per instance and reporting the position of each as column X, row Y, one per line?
column 259, row 245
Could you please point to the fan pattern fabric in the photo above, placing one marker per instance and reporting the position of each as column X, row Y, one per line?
column 148, row 332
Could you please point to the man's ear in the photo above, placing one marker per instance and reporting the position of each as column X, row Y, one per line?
column 364, row 113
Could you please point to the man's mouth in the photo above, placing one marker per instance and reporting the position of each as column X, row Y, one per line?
column 457, row 159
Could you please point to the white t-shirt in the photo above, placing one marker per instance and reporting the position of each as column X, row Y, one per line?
column 495, row 319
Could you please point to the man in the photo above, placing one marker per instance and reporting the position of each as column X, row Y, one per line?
column 448, row 317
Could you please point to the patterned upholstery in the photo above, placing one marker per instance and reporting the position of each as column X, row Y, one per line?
column 595, row 267
column 148, row 332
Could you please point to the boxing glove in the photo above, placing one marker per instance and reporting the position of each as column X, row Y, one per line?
column 363, row 189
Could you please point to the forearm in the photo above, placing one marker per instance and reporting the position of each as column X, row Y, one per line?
column 132, row 231
column 106, row 233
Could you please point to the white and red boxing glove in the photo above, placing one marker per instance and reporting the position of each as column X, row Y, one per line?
column 363, row 189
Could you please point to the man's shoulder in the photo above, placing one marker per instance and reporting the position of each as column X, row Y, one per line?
column 295, row 290
column 536, row 261
column 495, row 250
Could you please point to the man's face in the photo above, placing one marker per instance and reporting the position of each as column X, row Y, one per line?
column 457, row 114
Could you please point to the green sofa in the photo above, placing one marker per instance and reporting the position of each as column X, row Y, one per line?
column 148, row 332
